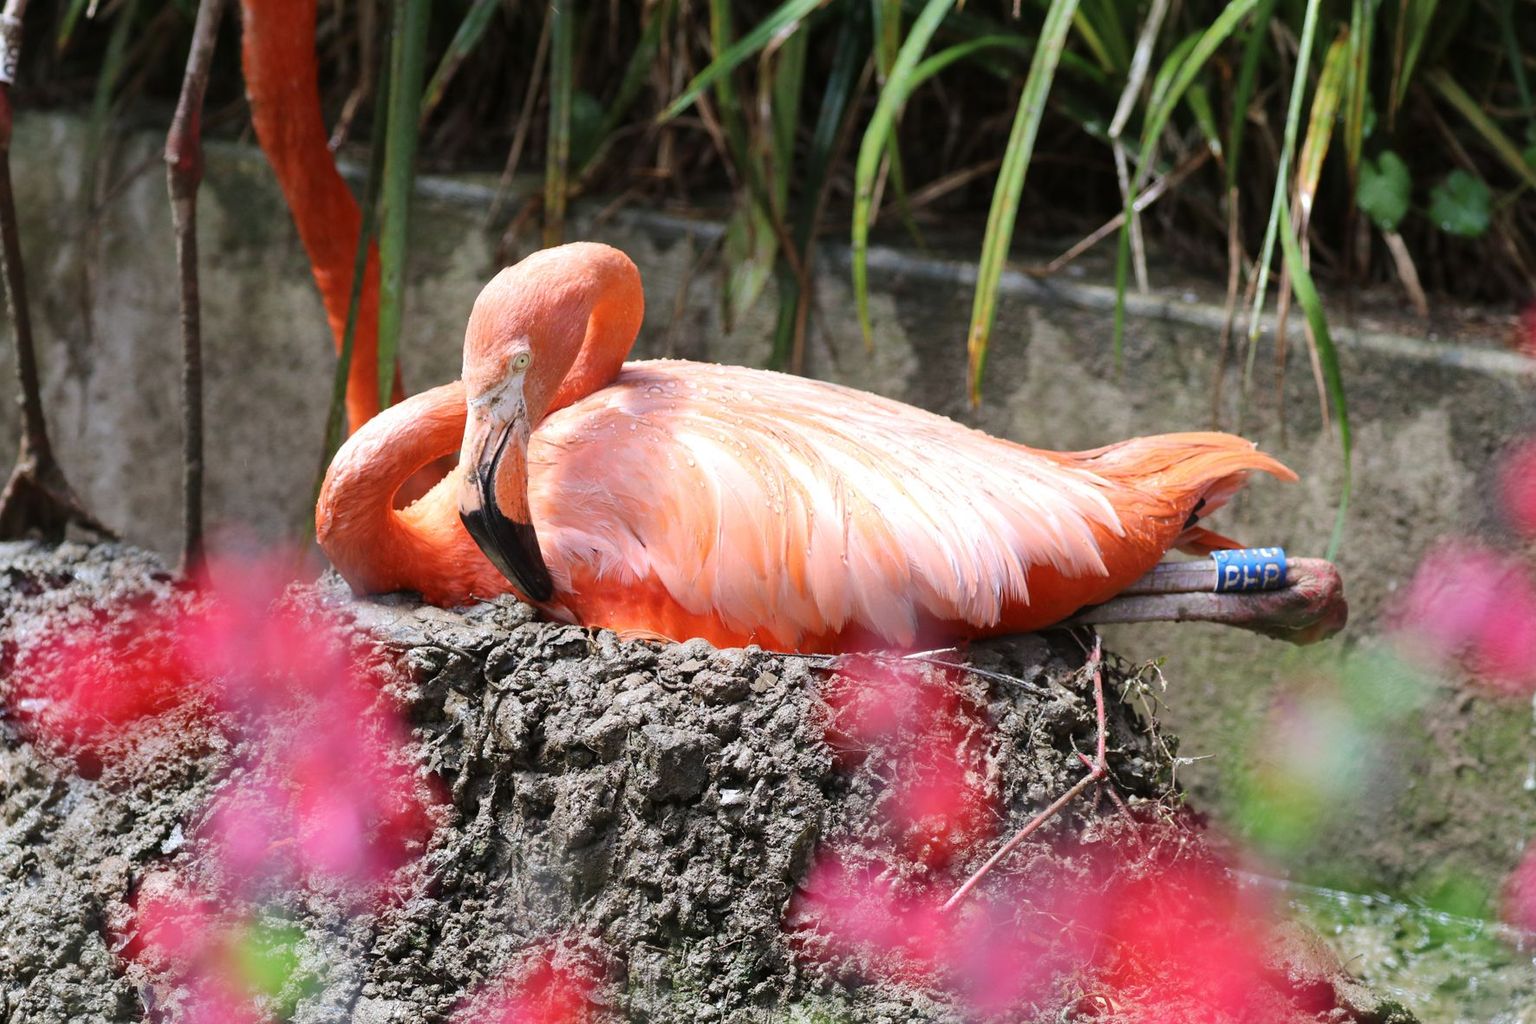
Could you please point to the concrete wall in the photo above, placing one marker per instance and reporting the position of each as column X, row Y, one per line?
column 1430, row 417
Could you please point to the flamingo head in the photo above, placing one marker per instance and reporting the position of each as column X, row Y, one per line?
column 530, row 326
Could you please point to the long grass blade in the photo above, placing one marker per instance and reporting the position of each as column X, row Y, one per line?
column 873, row 147
column 1514, row 54
column 1242, row 95
column 1177, row 77
column 827, row 137
column 68, row 22
column 1282, row 181
column 887, row 28
column 1362, row 28
column 1452, row 92
column 408, row 57
column 1328, row 357
column 1412, row 29
column 784, row 19
column 471, row 31
column 1327, row 99
column 1010, row 186
column 557, row 156
column 751, row 242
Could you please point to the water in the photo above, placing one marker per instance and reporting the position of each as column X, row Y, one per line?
column 1447, row 969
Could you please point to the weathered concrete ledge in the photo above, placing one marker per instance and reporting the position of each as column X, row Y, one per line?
column 1430, row 420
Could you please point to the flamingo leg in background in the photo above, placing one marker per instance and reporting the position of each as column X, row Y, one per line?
column 37, row 499
column 184, row 172
column 282, row 84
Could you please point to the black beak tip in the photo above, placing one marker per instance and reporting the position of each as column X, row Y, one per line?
column 513, row 549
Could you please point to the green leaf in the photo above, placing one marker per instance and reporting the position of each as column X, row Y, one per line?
column 408, row 59
column 876, row 138
column 1328, row 360
column 1384, row 190
column 1282, row 180
column 1010, row 186
column 748, row 254
column 471, row 31
column 1357, row 112
column 587, row 116
column 1243, row 94
column 557, row 151
column 1493, row 136
column 783, row 20
column 1326, row 100
column 1461, row 205
column 1176, row 77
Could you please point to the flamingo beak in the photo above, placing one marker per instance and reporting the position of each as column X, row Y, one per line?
column 493, row 500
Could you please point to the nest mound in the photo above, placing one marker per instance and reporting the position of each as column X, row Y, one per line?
column 687, row 826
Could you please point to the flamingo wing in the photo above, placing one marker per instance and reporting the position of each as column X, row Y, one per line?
column 800, row 508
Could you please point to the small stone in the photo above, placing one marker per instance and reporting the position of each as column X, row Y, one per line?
column 719, row 688
column 674, row 763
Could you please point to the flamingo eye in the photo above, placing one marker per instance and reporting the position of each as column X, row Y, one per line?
column 521, row 361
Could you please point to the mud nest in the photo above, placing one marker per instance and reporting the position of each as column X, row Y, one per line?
column 681, row 824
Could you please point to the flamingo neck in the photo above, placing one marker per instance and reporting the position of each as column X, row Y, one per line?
column 378, row 549
column 615, row 310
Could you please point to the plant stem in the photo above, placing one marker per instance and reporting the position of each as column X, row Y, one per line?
column 1098, row 769
column 184, row 173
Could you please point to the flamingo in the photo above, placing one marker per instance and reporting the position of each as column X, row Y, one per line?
column 672, row 499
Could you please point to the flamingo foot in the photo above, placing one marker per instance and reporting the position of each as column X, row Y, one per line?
column 1310, row 607
column 38, row 501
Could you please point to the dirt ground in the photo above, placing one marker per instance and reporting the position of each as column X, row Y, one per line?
column 682, row 825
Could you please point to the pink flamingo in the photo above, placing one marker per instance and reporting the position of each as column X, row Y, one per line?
column 677, row 499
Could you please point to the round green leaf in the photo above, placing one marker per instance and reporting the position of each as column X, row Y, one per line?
column 1461, row 205
column 1384, row 190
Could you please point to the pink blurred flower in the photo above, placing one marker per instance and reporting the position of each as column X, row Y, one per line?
column 941, row 803
column 1184, row 934
column 1525, row 334
column 1517, row 479
column 1469, row 604
column 80, row 688
column 172, row 926
column 941, row 800
column 1519, row 904
column 538, row 992
column 858, row 911
column 989, row 953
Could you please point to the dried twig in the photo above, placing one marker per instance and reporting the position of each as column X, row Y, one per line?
column 1150, row 195
column 37, row 499
column 1098, row 770
column 183, row 174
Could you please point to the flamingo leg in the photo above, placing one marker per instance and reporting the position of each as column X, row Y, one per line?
column 37, row 498
column 184, row 172
column 1310, row 607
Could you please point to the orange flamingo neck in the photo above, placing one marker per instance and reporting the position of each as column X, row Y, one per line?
column 614, row 316
column 379, row 549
